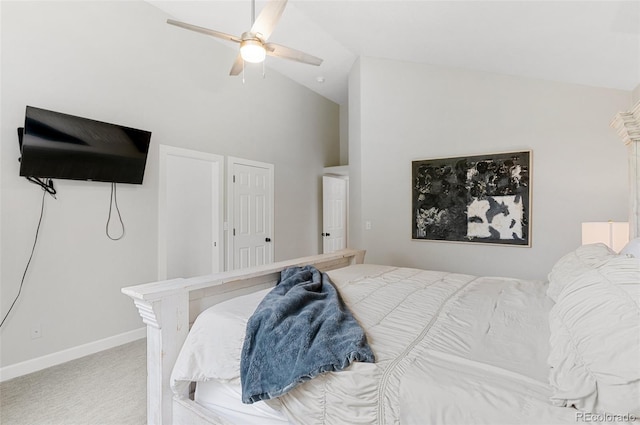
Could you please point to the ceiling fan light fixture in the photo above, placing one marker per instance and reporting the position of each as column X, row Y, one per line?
column 252, row 51
column 253, row 43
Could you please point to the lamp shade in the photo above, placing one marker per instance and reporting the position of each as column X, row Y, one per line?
column 613, row 234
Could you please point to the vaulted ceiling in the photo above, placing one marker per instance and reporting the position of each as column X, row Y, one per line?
column 595, row 43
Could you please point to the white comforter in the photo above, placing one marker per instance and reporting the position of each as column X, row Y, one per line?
column 450, row 349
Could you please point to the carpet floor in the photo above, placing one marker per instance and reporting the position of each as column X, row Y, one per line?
column 106, row 388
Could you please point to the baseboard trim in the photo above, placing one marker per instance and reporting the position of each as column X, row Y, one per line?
column 53, row 359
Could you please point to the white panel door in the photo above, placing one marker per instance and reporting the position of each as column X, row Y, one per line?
column 251, row 233
column 190, row 213
column 334, row 213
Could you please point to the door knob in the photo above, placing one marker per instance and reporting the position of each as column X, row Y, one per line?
column 267, row 240
column 326, row 234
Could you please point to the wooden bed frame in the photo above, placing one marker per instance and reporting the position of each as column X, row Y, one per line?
column 168, row 308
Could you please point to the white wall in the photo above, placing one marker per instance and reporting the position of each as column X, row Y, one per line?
column 355, row 158
column 408, row 111
column 636, row 94
column 120, row 62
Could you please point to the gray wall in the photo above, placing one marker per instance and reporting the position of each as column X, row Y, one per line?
column 120, row 62
column 344, row 135
column 404, row 111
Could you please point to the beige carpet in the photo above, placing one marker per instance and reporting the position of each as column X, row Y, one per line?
column 104, row 388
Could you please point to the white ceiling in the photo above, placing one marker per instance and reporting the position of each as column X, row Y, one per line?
column 595, row 43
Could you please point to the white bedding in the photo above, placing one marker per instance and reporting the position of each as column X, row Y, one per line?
column 449, row 348
column 226, row 400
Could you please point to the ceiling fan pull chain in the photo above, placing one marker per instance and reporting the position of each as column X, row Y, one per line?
column 243, row 72
column 263, row 70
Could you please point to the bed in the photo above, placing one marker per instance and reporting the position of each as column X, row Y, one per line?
column 450, row 348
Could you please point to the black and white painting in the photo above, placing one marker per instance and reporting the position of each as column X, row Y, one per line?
column 481, row 198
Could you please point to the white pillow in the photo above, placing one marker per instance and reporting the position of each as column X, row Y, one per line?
column 632, row 248
column 213, row 346
column 595, row 340
column 575, row 264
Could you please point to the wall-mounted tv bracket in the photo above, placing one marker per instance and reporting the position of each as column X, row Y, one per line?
column 46, row 185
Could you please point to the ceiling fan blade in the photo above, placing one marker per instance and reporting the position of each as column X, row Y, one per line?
column 266, row 22
column 288, row 53
column 203, row 30
column 236, row 68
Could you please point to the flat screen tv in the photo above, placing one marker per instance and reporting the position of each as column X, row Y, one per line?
column 60, row 146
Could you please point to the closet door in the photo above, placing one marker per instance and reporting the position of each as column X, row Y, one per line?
column 251, row 213
column 190, row 213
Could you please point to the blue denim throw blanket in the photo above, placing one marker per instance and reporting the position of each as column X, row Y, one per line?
column 301, row 329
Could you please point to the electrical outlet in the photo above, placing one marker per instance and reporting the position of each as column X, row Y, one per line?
column 367, row 225
column 36, row 331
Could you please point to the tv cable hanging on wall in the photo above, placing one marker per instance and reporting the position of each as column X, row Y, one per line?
column 114, row 202
column 47, row 188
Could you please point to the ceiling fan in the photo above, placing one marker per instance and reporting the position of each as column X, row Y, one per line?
column 253, row 43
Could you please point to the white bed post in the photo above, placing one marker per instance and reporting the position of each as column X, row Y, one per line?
column 627, row 125
column 167, row 318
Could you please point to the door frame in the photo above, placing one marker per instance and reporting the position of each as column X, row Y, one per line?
column 229, row 224
column 166, row 151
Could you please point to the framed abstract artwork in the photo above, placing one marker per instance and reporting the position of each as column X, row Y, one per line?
column 480, row 198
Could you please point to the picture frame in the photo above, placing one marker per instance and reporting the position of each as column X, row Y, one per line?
column 477, row 199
